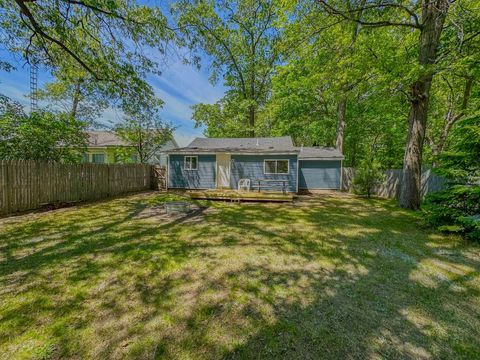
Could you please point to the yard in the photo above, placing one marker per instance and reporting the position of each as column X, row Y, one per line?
column 324, row 277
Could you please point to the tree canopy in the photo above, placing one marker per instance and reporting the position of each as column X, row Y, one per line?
column 384, row 79
column 105, row 49
column 145, row 132
column 40, row 135
column 244, row 44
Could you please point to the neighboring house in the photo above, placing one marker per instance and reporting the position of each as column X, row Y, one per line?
column 222, row 162
column 105, row 147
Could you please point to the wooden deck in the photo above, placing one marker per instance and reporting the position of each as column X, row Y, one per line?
column 233, row 195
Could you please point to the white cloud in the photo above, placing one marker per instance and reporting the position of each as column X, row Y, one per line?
column 110, row 116
column 174, row 108
column 192, row 83
column 15, row 92
column 182, row 86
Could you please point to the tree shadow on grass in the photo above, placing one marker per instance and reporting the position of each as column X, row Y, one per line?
column 380, row 300
column 78, row 237
column 86, row 252
column 323, row 278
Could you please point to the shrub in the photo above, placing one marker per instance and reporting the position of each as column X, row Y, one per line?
column 368, row 176
column 456, row 209
column 41, row 135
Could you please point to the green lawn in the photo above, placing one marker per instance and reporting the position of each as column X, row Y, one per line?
column 325, row 277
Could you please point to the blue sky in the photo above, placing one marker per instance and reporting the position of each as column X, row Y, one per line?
column 180, row 86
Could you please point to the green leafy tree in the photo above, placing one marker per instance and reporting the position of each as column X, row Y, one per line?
column 455, row 94
column 10, row 107
column 145, row 132
column 79, row 97
column 106, row 39
column 302, row 104
column 461, row 163
column 428, row 19
column 457, row 208
column 241, row 39
column 41, row 135
column 338, row 90
column 451, row 102
column 226, row 118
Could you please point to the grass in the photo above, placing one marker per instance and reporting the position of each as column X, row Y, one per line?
column 324, row 277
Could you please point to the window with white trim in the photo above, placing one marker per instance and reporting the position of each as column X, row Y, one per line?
column 276, row 167
column 190, row 163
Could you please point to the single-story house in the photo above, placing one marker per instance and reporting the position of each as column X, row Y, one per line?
column 105, row 147
column 269, row 162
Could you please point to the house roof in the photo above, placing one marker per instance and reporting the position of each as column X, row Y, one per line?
column 281, row 144
column 319, row 153
column 109, row 138
column 104, row 138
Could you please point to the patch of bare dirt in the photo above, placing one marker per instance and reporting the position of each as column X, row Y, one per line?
column 158, row 214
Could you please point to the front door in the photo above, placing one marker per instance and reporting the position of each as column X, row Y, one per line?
column 223, row 170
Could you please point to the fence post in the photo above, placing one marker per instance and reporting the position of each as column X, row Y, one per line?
column 159, row 177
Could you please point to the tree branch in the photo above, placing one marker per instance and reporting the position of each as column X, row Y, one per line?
column 96, row 9
column 229, row 52
column 38, row 29
column 334, row 11
column 471, row 37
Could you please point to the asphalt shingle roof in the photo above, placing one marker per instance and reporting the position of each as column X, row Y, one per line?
column 108, row 138
column 319, row 152
column 281, row 144
column 104, row 138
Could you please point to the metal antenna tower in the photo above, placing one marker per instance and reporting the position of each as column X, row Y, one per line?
column 33, row 86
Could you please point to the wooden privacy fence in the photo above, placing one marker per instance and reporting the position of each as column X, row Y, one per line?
column 26, row 185
column 390, row 187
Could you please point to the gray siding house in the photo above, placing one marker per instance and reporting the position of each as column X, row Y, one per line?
column 209, row 163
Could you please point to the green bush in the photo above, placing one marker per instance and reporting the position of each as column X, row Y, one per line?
column 471, row 224
column 41, row 135
column 456, row 209
column 368, row 175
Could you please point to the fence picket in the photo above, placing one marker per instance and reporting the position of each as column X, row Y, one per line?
column 26, row 185
column 393, row 178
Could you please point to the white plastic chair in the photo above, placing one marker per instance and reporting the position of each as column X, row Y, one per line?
column 244, row 185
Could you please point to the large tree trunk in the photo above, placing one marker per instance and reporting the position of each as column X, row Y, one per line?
column 412, row 163
column 341, row 111
column 342, row 105
column 433, row 18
